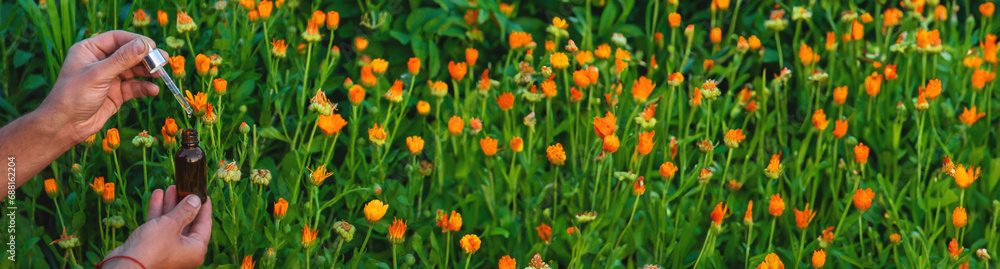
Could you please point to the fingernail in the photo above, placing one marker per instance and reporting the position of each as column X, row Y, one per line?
column 194, row 201
column 140, row 45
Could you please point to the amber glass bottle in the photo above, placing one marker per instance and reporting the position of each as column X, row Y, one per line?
column 189, row 167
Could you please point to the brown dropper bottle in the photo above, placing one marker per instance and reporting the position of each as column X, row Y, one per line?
column 189, row 167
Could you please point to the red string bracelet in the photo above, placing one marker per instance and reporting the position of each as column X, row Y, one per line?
column 99, row 265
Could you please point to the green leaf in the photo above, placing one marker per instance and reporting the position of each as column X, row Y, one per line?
column 402, row 37
column 21, row 57
column 33, row 81
column 271, row 132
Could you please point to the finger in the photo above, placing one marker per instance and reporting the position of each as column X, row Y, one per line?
column 201, row 228
column 183, row 213
column 104, row 45
column 138, row 88
column 125, row 58
column 155, row 205
column 170, row 199
column 140, row 70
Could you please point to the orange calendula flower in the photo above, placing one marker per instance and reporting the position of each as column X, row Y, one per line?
column 109, row 192
column 331, row 124
column 471, row 55
column 396, row 231
column 264, row 9
column 379, row 66
column 954, row 249
column 890, row 72
column 611, row 143
column 645, row 145
column 777, row 206
column 219, row 85
column 360, row 43
column 980, row 78
column 674, row 19
column 640, row 186
column 753, row 42
column 831, row 41
column 559, row 60
column 177, row 65
column 840, row 128
column 544, row 232
column 668, row 170
column 969, row 116
column 641, row 89
column 964, row 177
column 605, row 126
column 506, row 262
column 873, row 84
column 959, row 218
column 708, row 64
column 318, row 17
column 51, row 187
column 802, row 218
column 580, row 78
column 423, row 107
column 415, row 144
column 413, row 65
column 715, row 35
column 857, row 30
column 549, row 88
column 603, row 51
column 556, row 154
column 162, row 17
column 395, row 93
column 311, row 34
column 584, row 57
column 247, row 262
column 98, row 185
column 280, row 208
column 559, row 23
column 308, row 236
column 773, row 169
column 140, row 18
column 840, row 95
column 470, row 243
column 377, row 135
column 986, row 9
column 278, row 48
column 489, row 146
column 374, row 211
column 458, row 70
column 185, row 23
column 861, row 153
column 454, row 221
column 933, row 89
column 111, row 140
column 519, row 40
column 748, row 216
column 356, row 94
column 734, row 137
column 863, row 199
column 516, row 144
column 806, row 55
column 719, row 213
column 819, row 120
column 818, row 258
column 455, row 125
column 169, row 127
column 253, row 15
column 368, row 78
column 319, row 175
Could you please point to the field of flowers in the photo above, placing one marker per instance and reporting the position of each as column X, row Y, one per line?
column 535, row 134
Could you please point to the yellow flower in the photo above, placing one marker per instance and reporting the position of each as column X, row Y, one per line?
column 559, row 60
column 470, row 243
column 377, row 135
column 374, row 211
column 559, row 23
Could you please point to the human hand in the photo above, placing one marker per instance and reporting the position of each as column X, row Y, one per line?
column 96, row 79
column 175, row 234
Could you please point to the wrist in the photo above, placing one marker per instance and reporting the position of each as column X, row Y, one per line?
column 55, row 123
column 122, row 262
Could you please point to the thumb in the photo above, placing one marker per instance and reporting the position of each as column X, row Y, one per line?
column 183, row 213
column 126, row 57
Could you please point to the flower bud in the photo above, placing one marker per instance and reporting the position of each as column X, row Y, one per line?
column 377, row 189
column 244, row 128
column 260, row 177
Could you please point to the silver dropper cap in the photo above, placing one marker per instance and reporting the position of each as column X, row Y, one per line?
column 154, row 60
